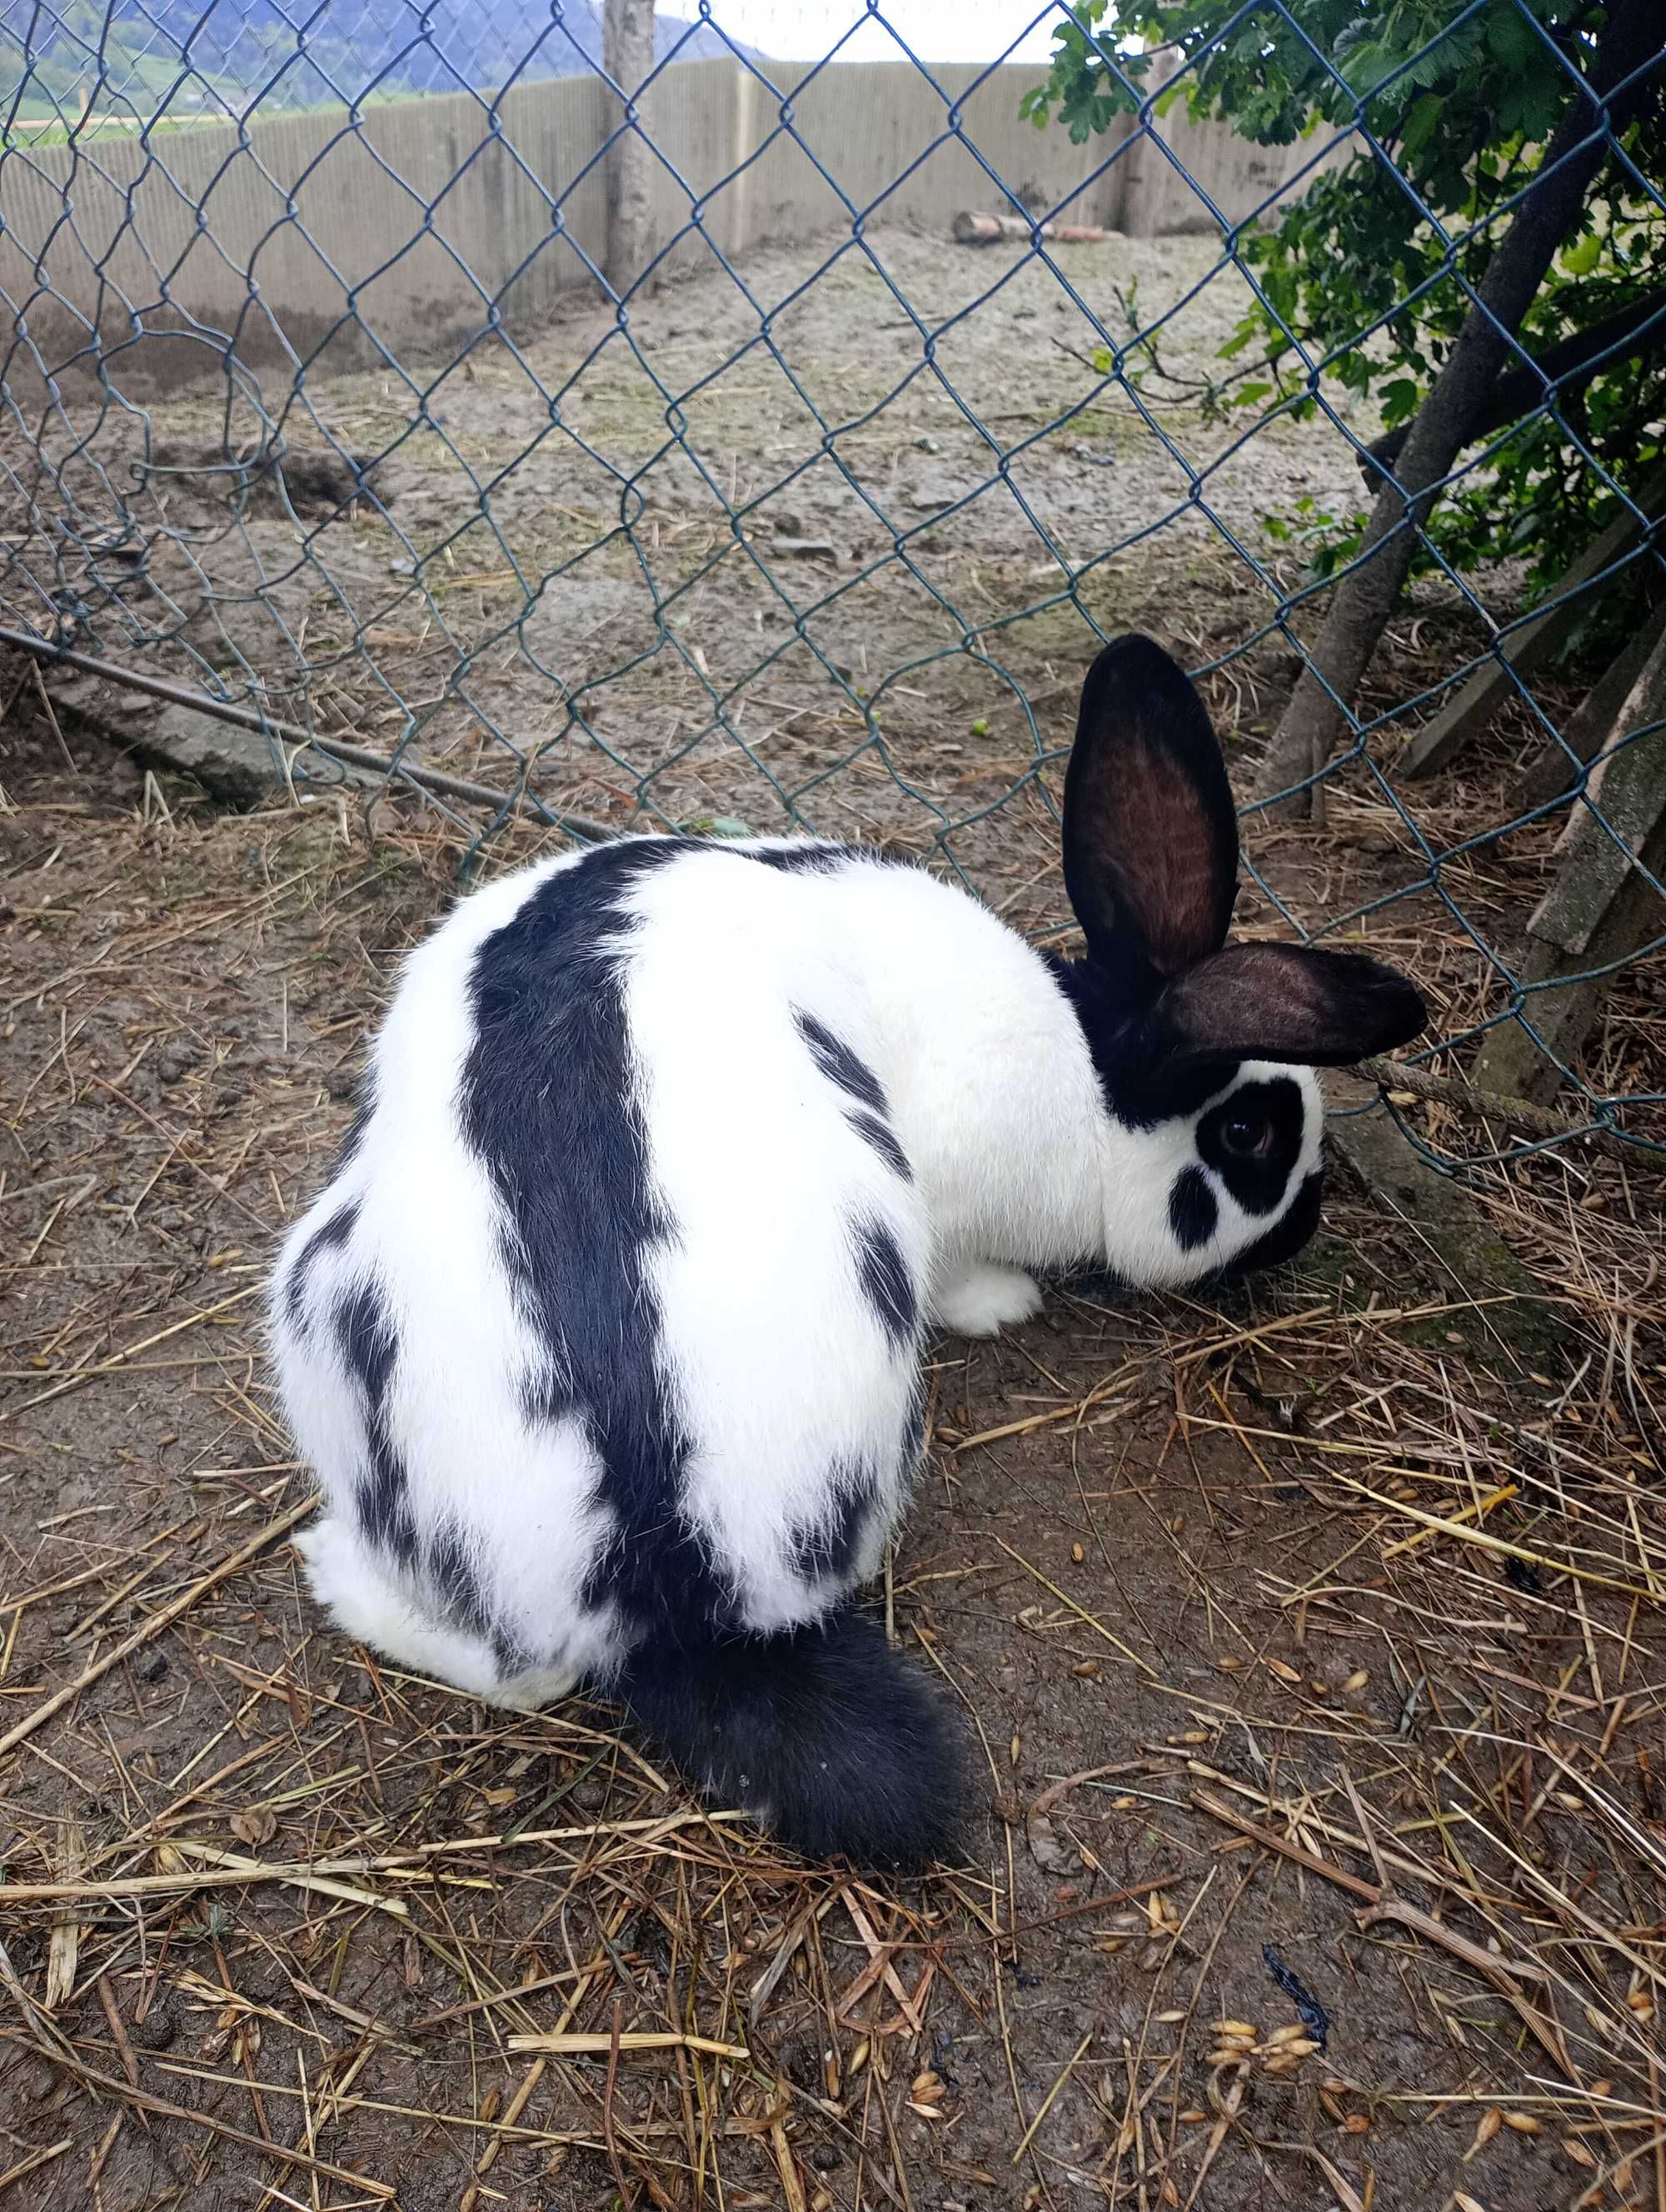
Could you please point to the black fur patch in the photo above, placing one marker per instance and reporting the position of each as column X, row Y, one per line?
column 369, row 1347
column 829, row 1736
column 807, row 859
column 1273, row 1111
column 886, row 1284
column 329, row 1236
column 853, row 1075
column 883, row 1138
column 451, row 1576
column 1138, row 1081
column 548, row 1105
column 1194, row 1212
column 830, row 1548
column 1287, row 1238
column 840, row 1064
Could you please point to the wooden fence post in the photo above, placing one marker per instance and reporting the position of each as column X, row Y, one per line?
column 1555, row 766
column 1602, row 906
column 628, row 58
column 1494, row 682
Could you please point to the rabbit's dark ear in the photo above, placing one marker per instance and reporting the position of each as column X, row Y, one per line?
column 1290, row 1002
column 1151, row 842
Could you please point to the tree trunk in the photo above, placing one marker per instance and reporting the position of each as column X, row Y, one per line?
column 628, row 58
column 1445, row 422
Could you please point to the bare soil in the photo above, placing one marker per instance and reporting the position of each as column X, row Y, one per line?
column 830, row 543
column 835, row 542
column 1210, row 1581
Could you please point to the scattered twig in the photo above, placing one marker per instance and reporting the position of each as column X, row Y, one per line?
column 96, row 1669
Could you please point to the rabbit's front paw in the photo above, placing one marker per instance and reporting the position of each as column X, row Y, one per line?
column 985, row 1299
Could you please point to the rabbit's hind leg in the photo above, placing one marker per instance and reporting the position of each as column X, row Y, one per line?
column 363, row 1597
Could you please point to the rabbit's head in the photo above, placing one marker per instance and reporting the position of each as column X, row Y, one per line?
column 1203, row 1049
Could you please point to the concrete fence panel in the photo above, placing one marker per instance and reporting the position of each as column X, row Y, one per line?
column 327, row 240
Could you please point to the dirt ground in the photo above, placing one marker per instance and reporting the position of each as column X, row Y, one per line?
column 1256, row 1610
column 1311, row 1642
column 829, row 543
column 833, row 548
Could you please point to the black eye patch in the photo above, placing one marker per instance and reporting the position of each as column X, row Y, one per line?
column 1253, row 1140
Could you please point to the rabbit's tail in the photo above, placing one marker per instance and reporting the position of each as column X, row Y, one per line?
column 824, row 1734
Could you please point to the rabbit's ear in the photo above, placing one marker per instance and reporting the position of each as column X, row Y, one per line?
column 1296, row 1003
column 1151, row 844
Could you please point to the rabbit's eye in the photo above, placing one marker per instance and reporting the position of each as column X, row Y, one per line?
column 1249, row 1137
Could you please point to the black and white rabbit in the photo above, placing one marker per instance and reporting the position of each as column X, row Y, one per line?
column 605, row 1338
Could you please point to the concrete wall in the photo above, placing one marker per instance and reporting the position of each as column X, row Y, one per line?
column 314, row 238
column 1179, row 176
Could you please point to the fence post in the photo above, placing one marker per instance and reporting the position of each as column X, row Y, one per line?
column 743, row 109
column 628, row 58
column 1603, row 907
column 1554, row 768
column 1497, row 680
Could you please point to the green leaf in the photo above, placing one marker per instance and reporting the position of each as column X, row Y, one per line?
column 1418, row 126
column 1513, row 41
column 1582, row 256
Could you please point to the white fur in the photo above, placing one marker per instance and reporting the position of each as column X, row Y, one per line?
column 781, row 1370
column 983, row 1301
column 757, row 1163
column 426, row 1234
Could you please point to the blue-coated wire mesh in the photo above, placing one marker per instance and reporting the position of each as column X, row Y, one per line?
column 322, row 395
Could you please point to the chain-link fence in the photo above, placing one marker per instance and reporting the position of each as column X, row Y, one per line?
column 710, row 441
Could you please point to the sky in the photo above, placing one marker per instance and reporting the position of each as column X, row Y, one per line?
column 935, row 30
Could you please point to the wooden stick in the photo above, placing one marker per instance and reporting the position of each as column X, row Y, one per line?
column 1492, row 1967
column 1478, row 1105
column 971, row 229
column 579, row 2046
column 141, row 1635
column 1271, row 1840
column 1491, row 1963
column 290, row 733
column 1503, row 1973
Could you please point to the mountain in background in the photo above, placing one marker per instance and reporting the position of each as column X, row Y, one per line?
column 178, row 57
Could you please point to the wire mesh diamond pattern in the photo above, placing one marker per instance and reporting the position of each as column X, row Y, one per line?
column 324, row 397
